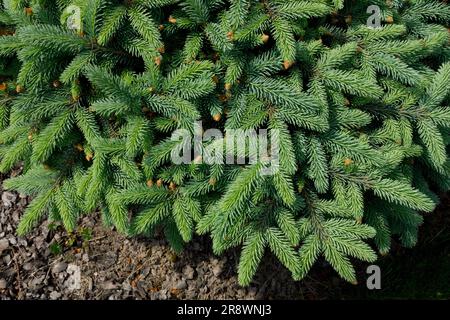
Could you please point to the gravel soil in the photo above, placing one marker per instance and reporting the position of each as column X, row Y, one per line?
column 98, row 263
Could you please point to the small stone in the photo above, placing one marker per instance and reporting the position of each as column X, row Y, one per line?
column 3, row 284
column 73, row 269
column 4, row 244
column 217, row 270
column 37, row 282
column 15, row 216
column 181, row 285
column 54, row 295
column 59, row 267
column 12, row 241
column 109, row 285
column 7, row 259
column 85, row 257
column 27, row 266
column 188, row 272
column 8, row 198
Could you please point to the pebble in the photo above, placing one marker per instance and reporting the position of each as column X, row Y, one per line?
column 7, row 259
column 217, row 270
column 109, row 285
column 12, row 240
column 73, row 269
column 37, row 282
column 59, row 267
column 15, row 216
column 188, row 272
column 4, row 244
column 8, row 198
column 181, row 285
column 27, row 266
column 54, row 295
column 3, row 284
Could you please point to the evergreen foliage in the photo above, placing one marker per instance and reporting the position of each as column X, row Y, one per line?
column 363, row 117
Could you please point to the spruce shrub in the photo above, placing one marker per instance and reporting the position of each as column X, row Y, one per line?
column 92, row 91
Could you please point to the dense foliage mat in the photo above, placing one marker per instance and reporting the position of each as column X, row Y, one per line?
column 92, row 90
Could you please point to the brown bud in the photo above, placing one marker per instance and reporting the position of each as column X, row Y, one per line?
column 3, row 86
column 158, row 60
column 20, row 89
column 217, row 117
column 265, row 38
column 172, row 20
column 28, row 11
column 287, row 64
column 348, row 19
column 230, row 35
column 223, row 98
column 159, row 183
column 172, row 186
column 228, row 86
column 89, row 156
column 56, row 83
column 348, row 162
column 213, row 181
column 390, row 19
column 162, row 49
column 150, row 183
column 79, row 147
